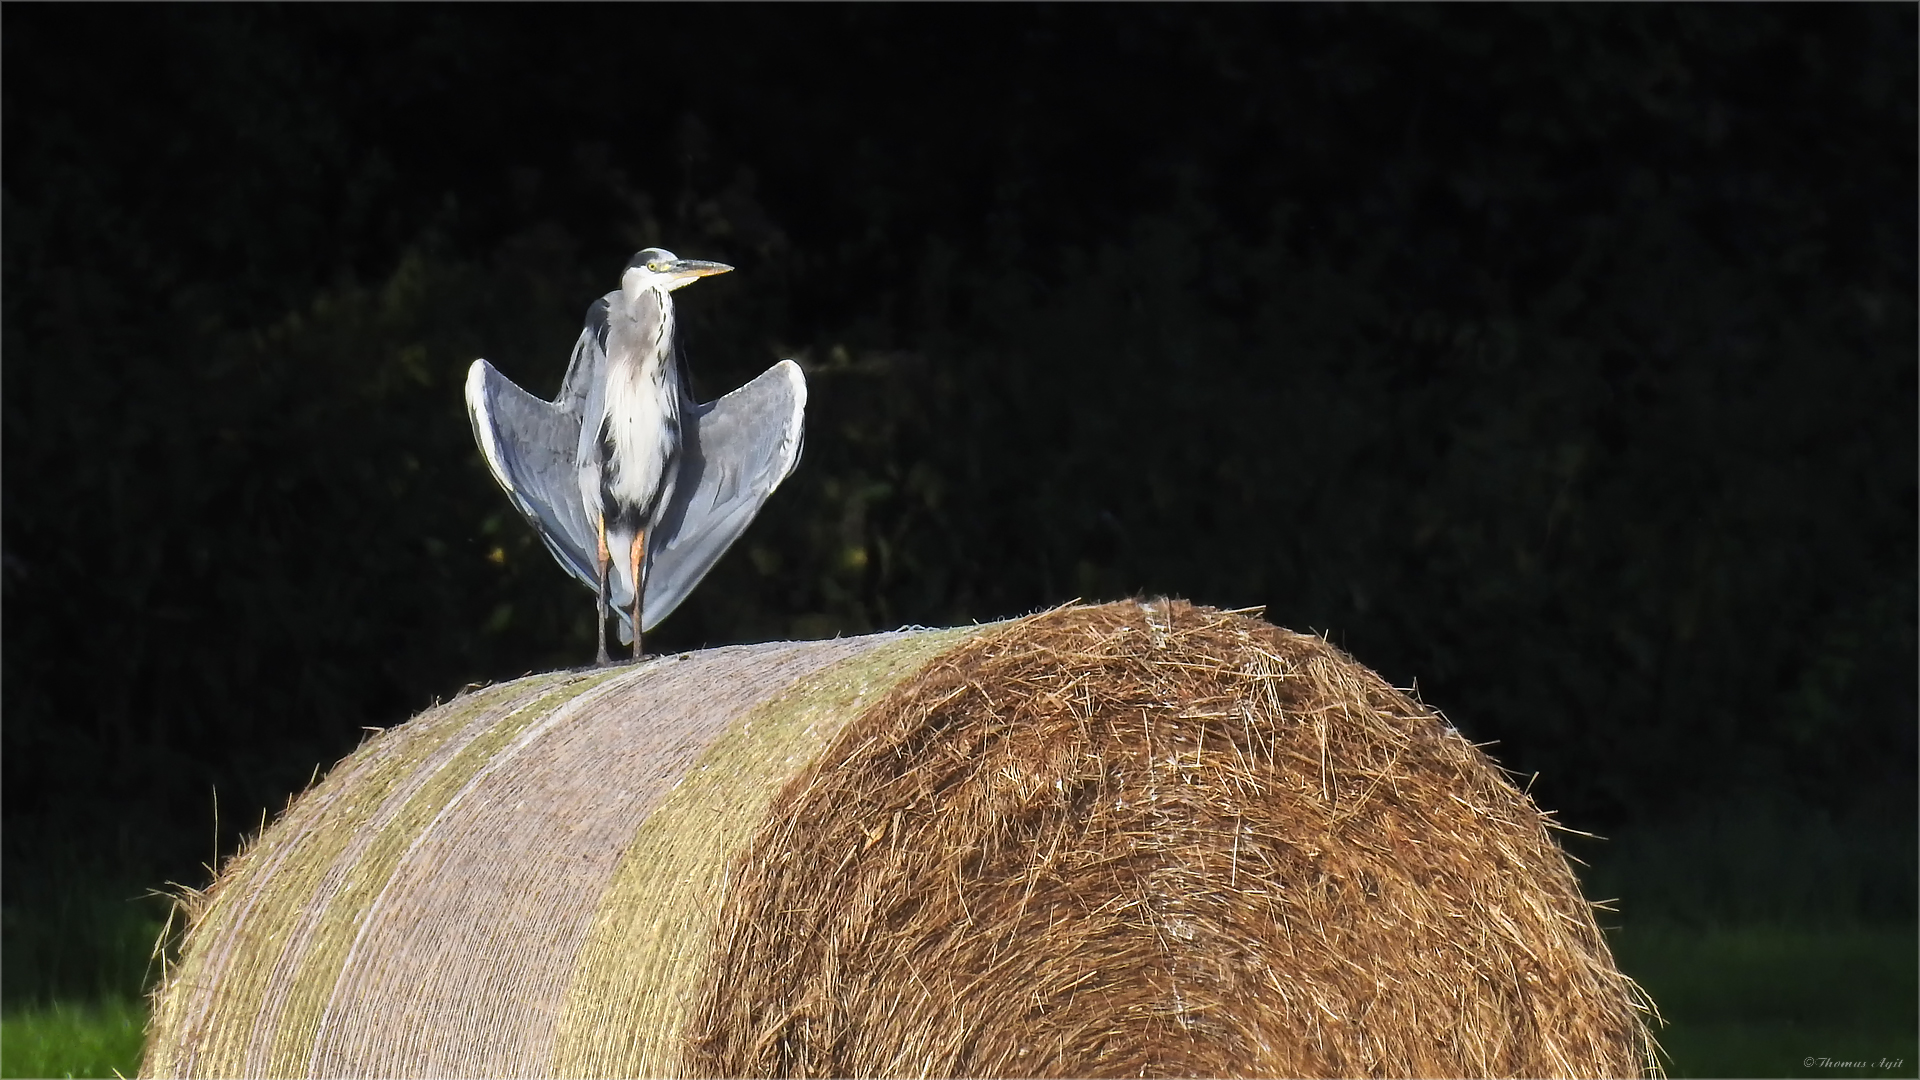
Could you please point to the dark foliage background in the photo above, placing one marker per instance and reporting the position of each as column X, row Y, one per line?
column 1560, row 359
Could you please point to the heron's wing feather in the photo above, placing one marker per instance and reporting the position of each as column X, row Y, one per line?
column 587, row 368
column 530, row 446
column 732, row 456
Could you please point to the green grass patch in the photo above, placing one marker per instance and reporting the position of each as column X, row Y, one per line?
column 63, row 1039
column 1765, row 1000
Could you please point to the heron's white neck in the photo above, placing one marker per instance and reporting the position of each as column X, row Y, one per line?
column 640, row 340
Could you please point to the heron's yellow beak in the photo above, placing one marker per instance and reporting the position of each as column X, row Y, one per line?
column 693, row 268
column 683, row 272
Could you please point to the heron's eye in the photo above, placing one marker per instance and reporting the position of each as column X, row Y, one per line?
column 657, row 266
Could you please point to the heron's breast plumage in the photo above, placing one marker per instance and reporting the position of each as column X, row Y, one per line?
column 641, row 434
column 637, row 442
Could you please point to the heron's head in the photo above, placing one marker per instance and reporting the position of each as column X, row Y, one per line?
column 658, row 268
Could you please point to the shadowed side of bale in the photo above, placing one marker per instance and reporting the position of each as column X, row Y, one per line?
column 1157, row 840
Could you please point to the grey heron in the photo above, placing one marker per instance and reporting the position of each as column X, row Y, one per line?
column 635, row 489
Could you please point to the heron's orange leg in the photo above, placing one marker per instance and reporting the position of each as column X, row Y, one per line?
column 605, row 564
column 638, row 558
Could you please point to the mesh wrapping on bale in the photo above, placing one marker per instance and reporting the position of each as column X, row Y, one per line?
column 1130, row 839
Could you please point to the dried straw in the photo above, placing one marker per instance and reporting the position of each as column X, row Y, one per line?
column 1142, row 839
column 1158, row 841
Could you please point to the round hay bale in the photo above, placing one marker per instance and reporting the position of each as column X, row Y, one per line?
column 1128, row 839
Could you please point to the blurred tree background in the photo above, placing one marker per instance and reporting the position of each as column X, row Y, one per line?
column 1558, row 360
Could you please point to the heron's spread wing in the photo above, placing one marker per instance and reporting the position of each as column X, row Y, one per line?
column 530, row 445
column 732, row 456
column 587, row 369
